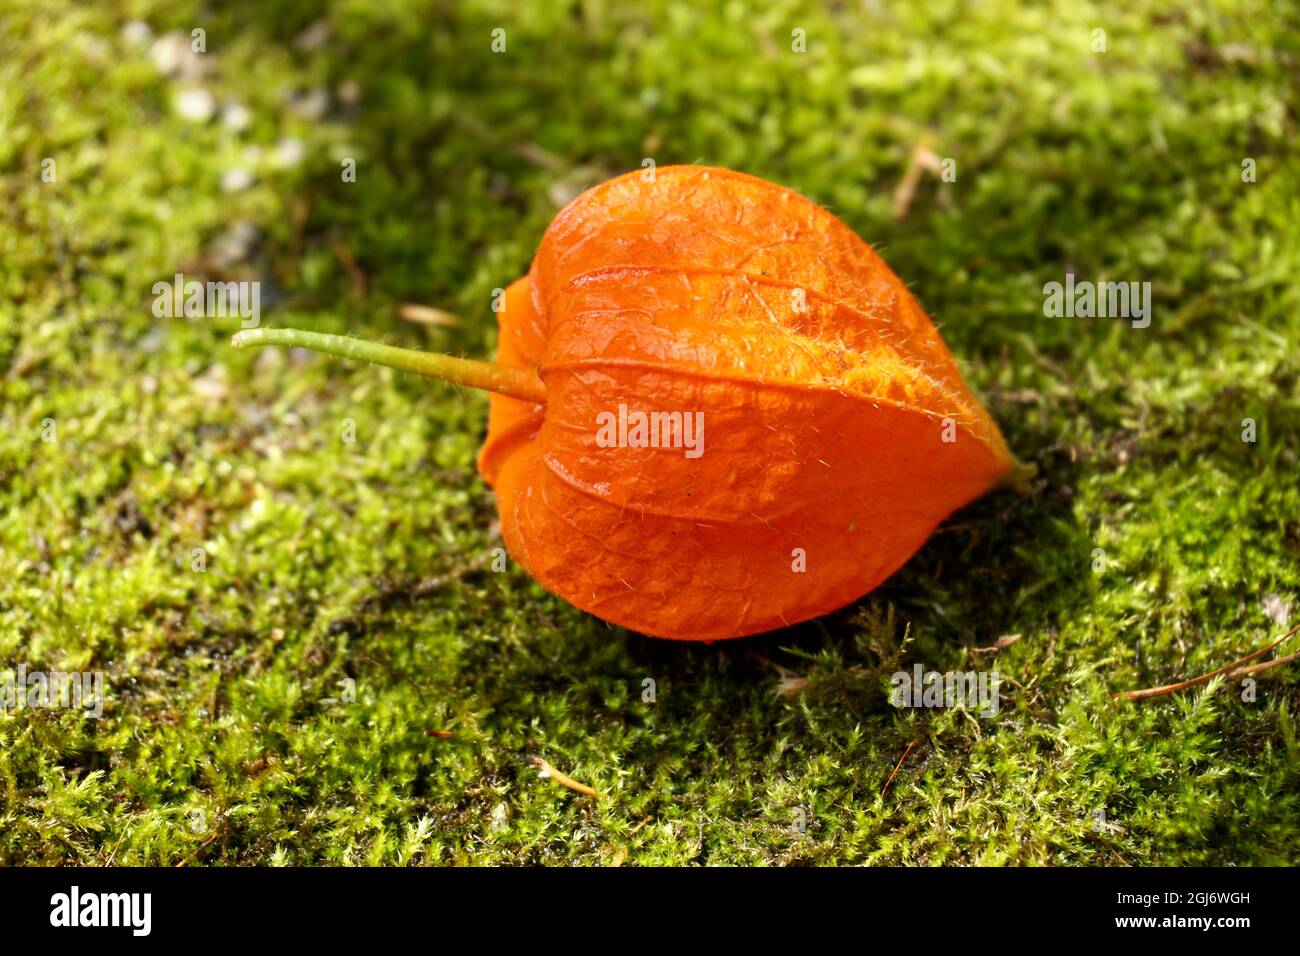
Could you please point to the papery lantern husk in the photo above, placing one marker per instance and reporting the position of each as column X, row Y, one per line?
column 838, row 432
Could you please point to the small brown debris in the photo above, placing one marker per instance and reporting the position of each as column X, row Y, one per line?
column 1001, row 644
column 923, row 158
column 885, row 789
column 790, row 682
column 564, row 779
column 427, row 315
column 349, row 264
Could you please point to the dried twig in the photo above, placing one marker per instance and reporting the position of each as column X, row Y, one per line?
column 1235, row 669
column 349, row 263
column 564, row 779
column 1003, row 642
column 1267, row 665
column 885, row 789
column 113, row 853
column 923, row 157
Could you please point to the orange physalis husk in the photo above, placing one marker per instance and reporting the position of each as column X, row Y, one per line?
column 837, row 432
column 824, row 388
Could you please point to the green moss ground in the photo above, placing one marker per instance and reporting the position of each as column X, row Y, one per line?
column 329, row 561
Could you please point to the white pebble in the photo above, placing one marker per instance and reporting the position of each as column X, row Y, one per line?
column 195, row 104
column 236, row 180
column 350, row 92
column 137, row 33
column 289, row 152
column 236, row 116
column 313, row 105
column 168, row 52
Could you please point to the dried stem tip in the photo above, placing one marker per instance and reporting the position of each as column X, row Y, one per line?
column 524, row 384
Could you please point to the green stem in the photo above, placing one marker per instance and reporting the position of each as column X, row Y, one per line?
column 524, row 384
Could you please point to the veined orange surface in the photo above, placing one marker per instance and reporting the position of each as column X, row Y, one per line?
column 837, row 431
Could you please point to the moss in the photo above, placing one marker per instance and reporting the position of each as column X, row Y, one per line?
column 274, row 707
